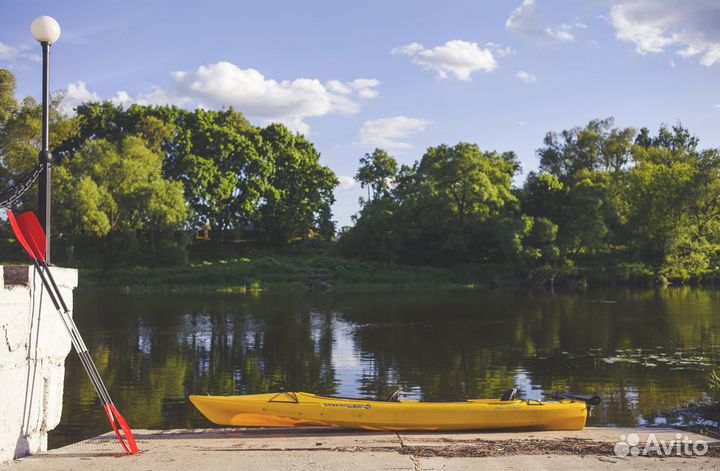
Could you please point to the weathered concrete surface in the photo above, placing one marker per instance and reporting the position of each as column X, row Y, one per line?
column 332, row 449
column 33, row 347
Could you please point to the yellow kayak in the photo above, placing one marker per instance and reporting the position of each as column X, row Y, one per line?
column 298, row 409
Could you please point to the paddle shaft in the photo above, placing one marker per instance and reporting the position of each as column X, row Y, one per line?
column 30, row 235
column 77, row 341
column 114, row 416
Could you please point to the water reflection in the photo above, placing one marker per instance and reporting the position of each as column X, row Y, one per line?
column 646, row 352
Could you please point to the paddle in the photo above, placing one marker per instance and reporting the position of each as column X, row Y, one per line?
column 29, row 233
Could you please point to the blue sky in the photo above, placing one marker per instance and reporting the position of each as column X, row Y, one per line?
column 397, row 74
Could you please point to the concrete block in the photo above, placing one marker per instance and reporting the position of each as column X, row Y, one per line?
column 33, row 347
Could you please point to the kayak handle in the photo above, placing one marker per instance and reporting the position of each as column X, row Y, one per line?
column 592, row 400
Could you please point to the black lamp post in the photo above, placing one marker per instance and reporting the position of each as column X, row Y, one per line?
column 46, row 31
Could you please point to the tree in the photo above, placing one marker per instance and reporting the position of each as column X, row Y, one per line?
column 588, row 215
column 472, row 183
column 539, row 242
column 544, row 195
column 20, row 134
column 297, row 200
column 597, row 146
column 107, row 191
column 376, row 234
column 224, row 175
column 443, row 209
column 670, row 199
column 675, row 139
column 377, row 172
column 8, row 103
column 214, row 154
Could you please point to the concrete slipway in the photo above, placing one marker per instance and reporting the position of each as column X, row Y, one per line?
column 333, row 449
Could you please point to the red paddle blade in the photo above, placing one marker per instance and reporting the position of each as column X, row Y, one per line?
column 19, row 235
column 116, row 419
column 33, row 232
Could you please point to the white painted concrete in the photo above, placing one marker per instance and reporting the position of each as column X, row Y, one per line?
column 33, row 347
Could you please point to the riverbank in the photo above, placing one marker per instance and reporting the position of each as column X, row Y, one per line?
column 331, row 449
column 325, row 271
column 292, row 274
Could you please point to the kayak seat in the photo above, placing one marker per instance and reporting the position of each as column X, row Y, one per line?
column 509, row 395
column 395, row 396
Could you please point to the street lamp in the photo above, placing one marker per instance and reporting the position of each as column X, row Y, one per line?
column 46, row 31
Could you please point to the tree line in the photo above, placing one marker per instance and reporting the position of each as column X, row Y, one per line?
column 132, row 183
column 602, row 194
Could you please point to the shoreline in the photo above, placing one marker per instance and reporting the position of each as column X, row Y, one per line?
column 326, row 273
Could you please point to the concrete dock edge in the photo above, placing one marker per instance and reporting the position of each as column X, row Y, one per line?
column 333, row 449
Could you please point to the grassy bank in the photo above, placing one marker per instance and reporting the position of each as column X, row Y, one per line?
column 326, row 271
column 283, row 273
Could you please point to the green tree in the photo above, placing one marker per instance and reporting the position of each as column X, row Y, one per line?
column 544, row 195
column 20, row 135
column 469, row 181
column 377, row 172
column 446, row 208
column 376, row 234
column 588, row 215
column 597, row 146
column 670, row 202
column 108, row 191
column 677, row 138
column 8, row 103
column 299, row 193
column 224, row 176
column 214, row 154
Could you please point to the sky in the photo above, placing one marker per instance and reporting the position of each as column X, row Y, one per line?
column 400, row 75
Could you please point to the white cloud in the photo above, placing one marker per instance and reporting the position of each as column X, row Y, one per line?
column 336, row 86
column 122, row 98
column 365, row 88
column 526, row 22
column 457, row 58
column 386, row 133
column 653, row 26
column 7, row 52
column 289, row 102
column 76, row 94
column 224, row 84
column 526, row 77
column 347, row 183
column 409, row 49
column 716, row 105
column 159, row 96
column 500, row 50
column 17, row 57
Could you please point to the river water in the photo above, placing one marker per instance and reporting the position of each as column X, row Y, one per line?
column 645, row 352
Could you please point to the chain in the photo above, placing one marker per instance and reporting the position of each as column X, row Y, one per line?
column 14, row 193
